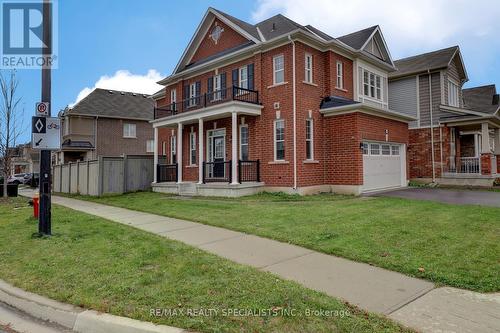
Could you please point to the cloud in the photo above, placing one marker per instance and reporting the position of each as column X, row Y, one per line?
column 123, row 80
column 409, row 26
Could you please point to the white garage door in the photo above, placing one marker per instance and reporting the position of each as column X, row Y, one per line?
column 383, row 166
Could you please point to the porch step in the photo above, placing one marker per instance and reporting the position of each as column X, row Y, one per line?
column 188, row 189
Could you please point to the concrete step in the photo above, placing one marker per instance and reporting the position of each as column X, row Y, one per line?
column 188, row 189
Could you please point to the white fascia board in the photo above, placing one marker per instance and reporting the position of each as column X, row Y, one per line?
column 368, row 109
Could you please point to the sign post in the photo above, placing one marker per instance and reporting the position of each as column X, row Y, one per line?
column 44, row 222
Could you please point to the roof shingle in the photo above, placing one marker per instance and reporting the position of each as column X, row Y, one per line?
column 481, row 99
column 423, row 62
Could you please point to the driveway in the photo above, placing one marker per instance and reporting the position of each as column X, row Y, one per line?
column 459, row 197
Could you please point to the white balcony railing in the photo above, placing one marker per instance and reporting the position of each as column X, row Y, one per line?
column 467, row 165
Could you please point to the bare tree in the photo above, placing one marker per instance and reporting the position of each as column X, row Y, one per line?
column 10, row 121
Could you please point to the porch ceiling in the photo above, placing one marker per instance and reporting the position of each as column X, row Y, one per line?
column 214, row 112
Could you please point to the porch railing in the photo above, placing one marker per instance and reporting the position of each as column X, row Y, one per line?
column 166, row 173
column 466, row 165
column 217, row 172
column 248, row 171
column 208, row 99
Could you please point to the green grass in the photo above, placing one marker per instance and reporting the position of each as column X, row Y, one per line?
column 455, row 245
column 98, row 264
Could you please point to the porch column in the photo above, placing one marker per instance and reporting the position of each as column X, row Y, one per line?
column 486, row 156
column 497, row 141
column 179, row 153
column 234, row 148
column 155, row 158
column 201, row 158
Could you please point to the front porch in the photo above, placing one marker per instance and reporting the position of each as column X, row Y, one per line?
column 474, row 154
column 209, row 150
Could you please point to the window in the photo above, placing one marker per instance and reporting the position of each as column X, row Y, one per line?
column 244, row 142
column 279, row 140
column 129, row 130
column 278, row 69
column 453, row 94
column 309, row 139
column 173, row 149
column 365, row 148
column 164, row 148
column 374, row 149
column 386, row 149
column 340, row 75
column 372, row 85
column 308, row 76
column 192, row 94
column 173, row 96
column 192, row 148
column 395, row 150
column 217, row 87
column 150, row 144
column 243, row 80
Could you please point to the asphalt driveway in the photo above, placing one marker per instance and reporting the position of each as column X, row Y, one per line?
column 464, row 197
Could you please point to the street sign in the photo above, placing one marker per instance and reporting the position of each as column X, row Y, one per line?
column 46, row 133
column 42, row 109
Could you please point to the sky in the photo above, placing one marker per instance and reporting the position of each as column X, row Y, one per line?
column 130, row 45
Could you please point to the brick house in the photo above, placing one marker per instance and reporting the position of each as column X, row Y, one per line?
column 455, row 138
column 106, row 123
column 278, row 106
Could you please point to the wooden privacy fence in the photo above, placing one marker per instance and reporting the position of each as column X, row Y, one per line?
column 105, row 175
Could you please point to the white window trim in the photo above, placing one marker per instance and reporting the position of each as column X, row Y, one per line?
column 275, row 141
column 150, row 146
column 368, row 145
column 241, row 142
column 173, row 96
column 308, row 71
column 450, row 84
column 279, row 70
column 192, row 139
column 240, row 81
column 383, row 79
column 128, row 134
column 340, row 75
column 311, row 139
column 217, row 80
column 192, row 94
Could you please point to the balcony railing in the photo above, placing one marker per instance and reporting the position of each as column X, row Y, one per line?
column 217, row 172
column 166, row 173
column 465, row 165
column 208, row 99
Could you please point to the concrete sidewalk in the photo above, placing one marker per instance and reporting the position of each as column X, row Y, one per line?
column 411, row 301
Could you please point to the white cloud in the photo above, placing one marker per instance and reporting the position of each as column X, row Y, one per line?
column 409, row 26
column 123, row 80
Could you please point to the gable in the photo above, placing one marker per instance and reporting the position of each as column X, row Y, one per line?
column 376, row 47
column 218, row 38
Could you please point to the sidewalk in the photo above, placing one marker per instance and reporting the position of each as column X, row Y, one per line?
column 410, row 301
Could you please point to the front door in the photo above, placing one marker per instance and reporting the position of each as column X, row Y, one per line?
column 218, row 157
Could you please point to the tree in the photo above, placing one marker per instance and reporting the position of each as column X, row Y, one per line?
column 10, row 121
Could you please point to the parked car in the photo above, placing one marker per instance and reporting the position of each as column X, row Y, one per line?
column 32, row 179
column 17, row 178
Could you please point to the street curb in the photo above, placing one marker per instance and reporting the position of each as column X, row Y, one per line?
column 76, row 318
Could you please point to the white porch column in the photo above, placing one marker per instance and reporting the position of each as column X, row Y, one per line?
column 155, row 158
column 201, row 157
column 485, row 139
column 179, row 153
column 234, row 148
column 497, row 141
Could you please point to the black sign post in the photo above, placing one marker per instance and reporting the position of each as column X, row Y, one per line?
column 44, row 222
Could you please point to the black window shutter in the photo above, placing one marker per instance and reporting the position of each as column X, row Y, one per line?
column 223, row 85
column 210, row 88
column 235, row 77
column 250, row 76
column 198, row 92
column 186, row 96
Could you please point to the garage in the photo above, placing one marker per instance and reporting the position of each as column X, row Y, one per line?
column 384, row 166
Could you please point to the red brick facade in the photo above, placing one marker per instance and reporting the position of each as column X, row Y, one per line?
column 337, row 157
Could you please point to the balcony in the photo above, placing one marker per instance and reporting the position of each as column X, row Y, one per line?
column 208, row 100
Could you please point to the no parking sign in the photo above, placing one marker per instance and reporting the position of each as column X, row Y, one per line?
column 42, row 109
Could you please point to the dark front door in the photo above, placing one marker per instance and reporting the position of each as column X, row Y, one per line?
column 218, row 156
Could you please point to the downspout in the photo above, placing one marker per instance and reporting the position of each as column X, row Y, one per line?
column 432, row 127
column 95, row 137
column 294, row 98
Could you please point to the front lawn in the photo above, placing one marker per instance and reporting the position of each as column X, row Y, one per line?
column 448, row 244
column 114, row 268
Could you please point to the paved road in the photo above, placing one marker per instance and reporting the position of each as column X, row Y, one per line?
column 410, row 301
column 460, row 197
column 13, row 321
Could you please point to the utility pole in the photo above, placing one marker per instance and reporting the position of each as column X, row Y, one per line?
column 44, row 222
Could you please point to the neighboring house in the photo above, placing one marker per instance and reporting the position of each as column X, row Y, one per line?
column 455, row 137
column 279, row 106
column 24, row 159
column 106, row 123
